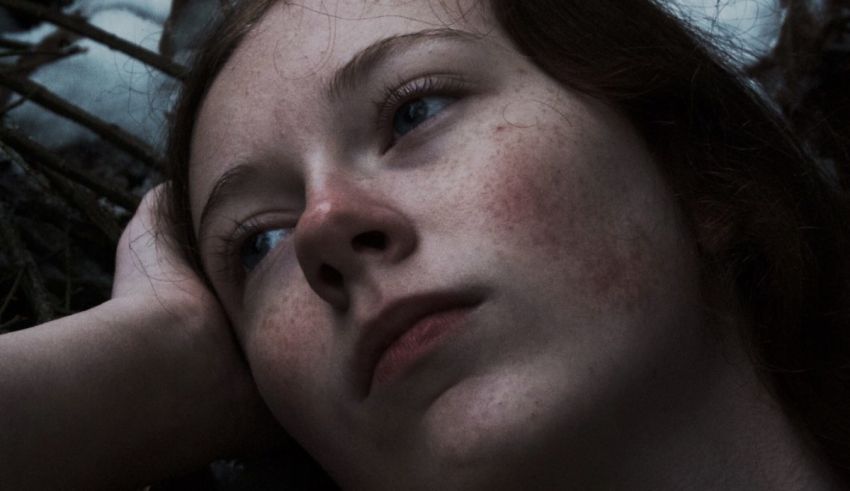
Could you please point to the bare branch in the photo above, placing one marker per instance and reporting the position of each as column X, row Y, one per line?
column 11, row 293
column 11, row 44
column 33, row 282
column 80, row 26
column 12, row 105
column 109, row 132
column 40, row 57
column 52, row 53
column 86, row 201
column 12, row 142
column 75, row 196
column 66, row 255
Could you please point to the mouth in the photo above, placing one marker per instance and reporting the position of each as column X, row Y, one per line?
column 407, row 329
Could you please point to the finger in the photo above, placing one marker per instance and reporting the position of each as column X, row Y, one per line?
column 146, row 261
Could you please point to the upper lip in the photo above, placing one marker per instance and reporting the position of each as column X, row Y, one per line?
column 394, row 318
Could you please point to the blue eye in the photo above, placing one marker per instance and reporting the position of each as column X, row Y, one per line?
column 412, row 114
column 258, row 245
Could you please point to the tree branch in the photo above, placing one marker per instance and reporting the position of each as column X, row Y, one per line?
column 83, row 28
column 33, row 282
column 11, row 44
column 109, row 132
column 86, row 202
column 40, row 57
column 12, row 105
column 11, row 293
column 75, row 196
column 20, row 143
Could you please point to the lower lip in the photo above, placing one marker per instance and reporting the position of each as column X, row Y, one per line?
column 416, row 342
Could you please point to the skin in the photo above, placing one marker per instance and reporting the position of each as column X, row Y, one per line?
column 591, row 359
column 145, row 386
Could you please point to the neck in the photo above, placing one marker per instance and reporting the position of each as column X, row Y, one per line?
column 730, row 434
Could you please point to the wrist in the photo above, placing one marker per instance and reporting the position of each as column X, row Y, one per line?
column 192, row 388
column 211, row 379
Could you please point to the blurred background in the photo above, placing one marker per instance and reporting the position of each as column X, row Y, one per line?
column 85, row 91
column 86, row 87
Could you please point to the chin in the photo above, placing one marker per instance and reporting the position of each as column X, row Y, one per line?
column 492, row 431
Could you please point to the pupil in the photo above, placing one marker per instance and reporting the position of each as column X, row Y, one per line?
column 256, row 249
column 417, row 111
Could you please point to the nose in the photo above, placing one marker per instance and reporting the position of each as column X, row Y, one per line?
column 345, row 232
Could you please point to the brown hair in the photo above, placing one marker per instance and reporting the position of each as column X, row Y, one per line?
column 767, row 220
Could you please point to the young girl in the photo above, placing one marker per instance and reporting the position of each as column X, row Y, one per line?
column 468, row 245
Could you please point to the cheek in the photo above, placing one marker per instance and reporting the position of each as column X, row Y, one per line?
column 551, row 210
column 285, row 344
column 517, row 202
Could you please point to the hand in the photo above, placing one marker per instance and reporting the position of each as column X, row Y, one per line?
column 151, row 272
column 148, row 264
column 148, row 385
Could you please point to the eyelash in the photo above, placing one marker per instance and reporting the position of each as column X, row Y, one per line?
column 396, row 95
column 229, row 245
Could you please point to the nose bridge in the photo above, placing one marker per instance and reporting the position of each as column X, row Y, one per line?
column 335, row 205
column 346, row 233
column 330, row 192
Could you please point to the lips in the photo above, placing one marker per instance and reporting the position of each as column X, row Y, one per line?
column 405, row 329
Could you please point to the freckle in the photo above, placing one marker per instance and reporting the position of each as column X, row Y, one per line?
column 604, row 272
column 500, row 128
column 270, row 318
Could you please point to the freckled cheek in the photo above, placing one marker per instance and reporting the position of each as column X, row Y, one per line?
column 540, row 208
column 526, row 195
column 285, row 343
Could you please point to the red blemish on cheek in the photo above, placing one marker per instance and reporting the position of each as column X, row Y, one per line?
column 542, row 206
column 525, row 199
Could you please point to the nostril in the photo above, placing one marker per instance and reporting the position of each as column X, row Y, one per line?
column 330, row 276
column 374, row 240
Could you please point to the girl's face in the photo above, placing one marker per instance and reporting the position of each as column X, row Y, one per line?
column 445, row 268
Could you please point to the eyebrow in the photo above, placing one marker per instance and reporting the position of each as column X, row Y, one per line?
column 361, row 66
column 233, row 178
column 345, row 79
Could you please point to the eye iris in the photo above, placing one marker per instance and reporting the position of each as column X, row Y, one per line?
column 255, row 248
column 414, row 113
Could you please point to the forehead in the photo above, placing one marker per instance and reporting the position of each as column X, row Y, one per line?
column 272, row 82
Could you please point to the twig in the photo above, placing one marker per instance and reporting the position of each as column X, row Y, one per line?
column 110, row 133
column 13, row 105
column 67, row 257
column 11, row 293
column 40, row 57
column 80, row 26
column 86, row 202
column 11, row 44
column 43, row 52
column 33, row 281
column 12, row 142
column 75, row 196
